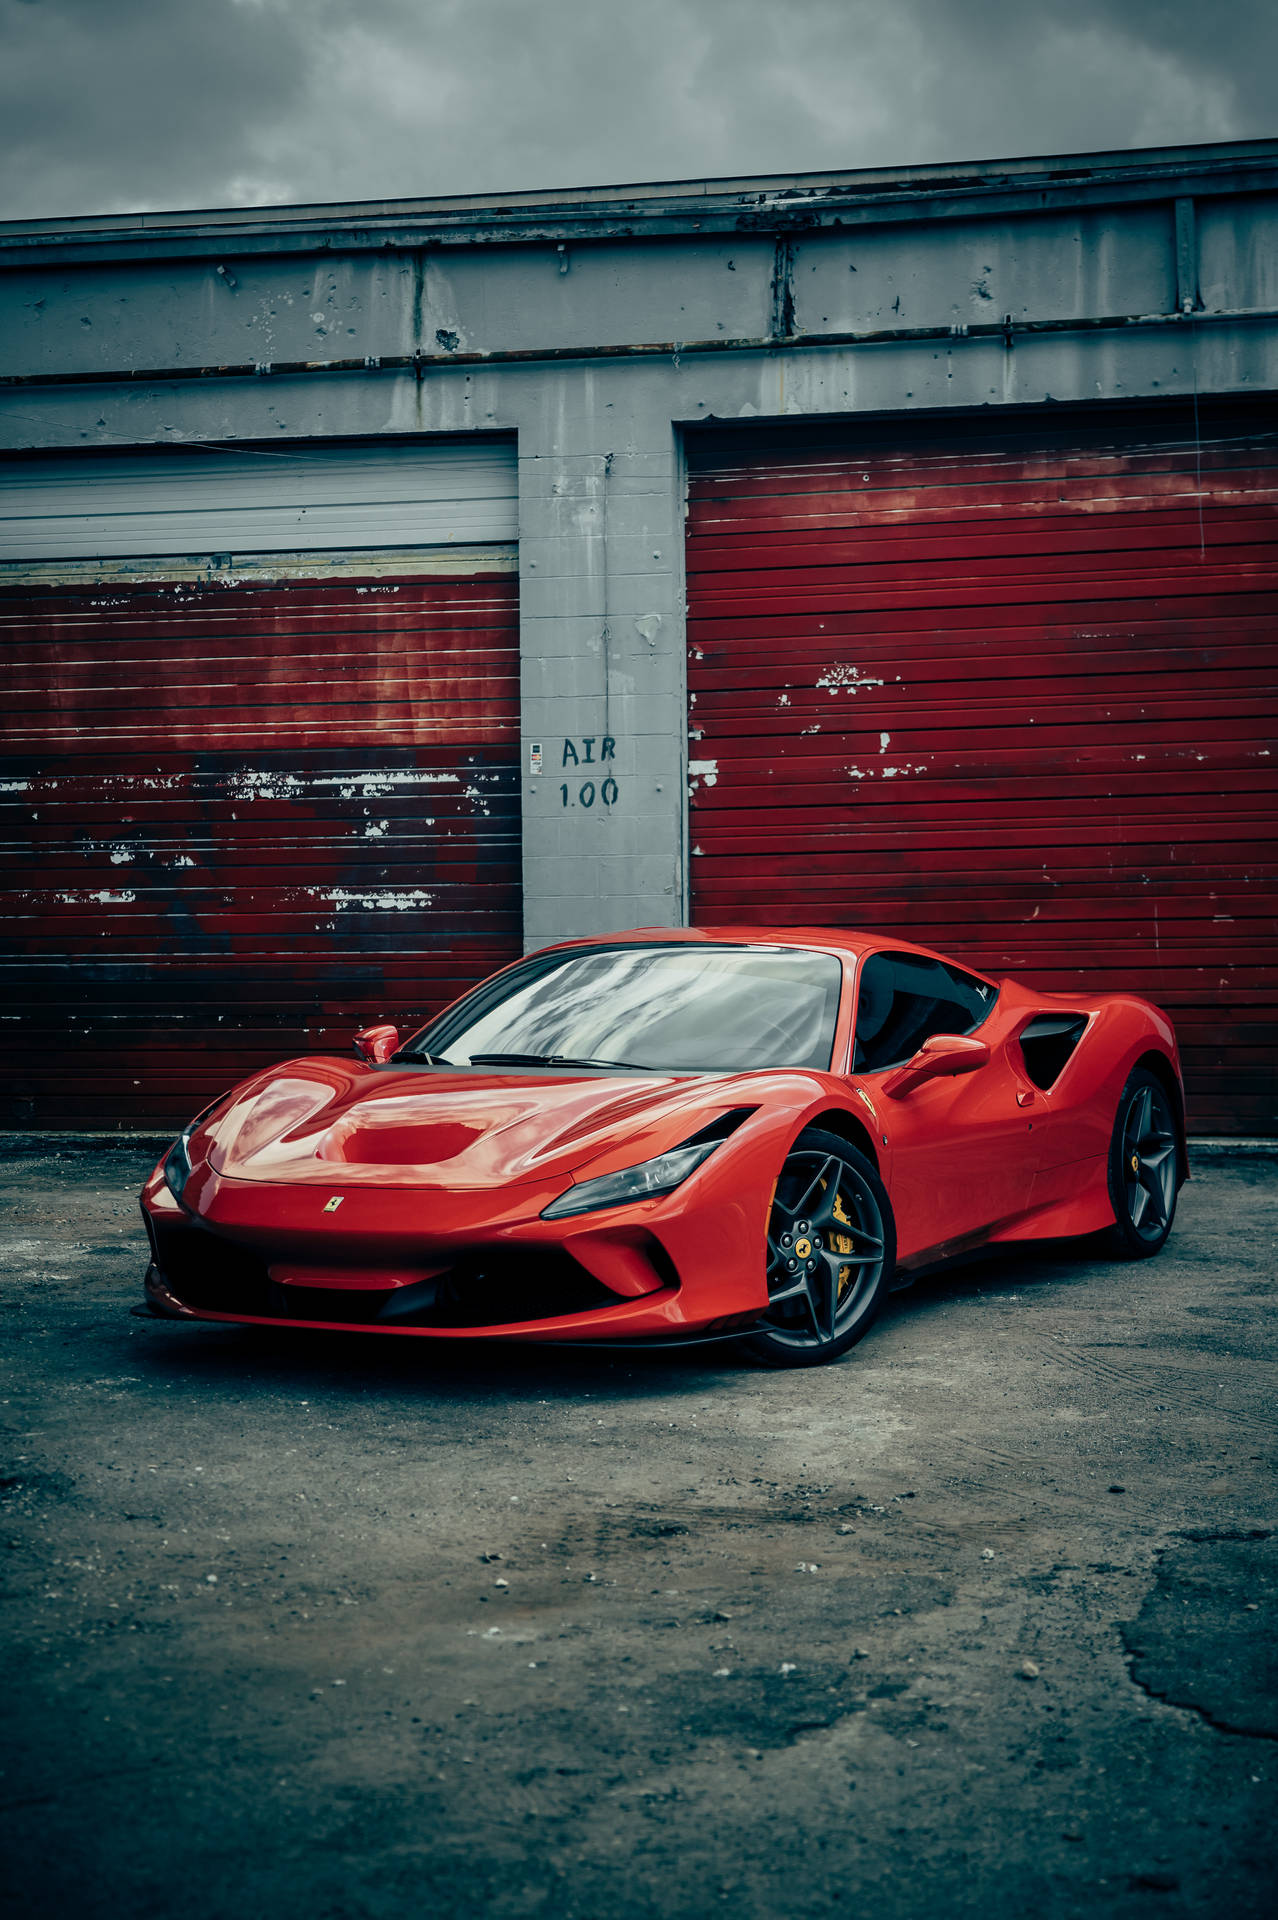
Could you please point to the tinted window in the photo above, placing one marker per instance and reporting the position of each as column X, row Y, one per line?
column 706, row 1009
column 902, row 999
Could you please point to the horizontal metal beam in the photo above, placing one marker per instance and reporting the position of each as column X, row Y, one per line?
column 691, row 209
column 1008, row 330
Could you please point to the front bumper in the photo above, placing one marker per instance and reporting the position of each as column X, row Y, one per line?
column 464, row 1265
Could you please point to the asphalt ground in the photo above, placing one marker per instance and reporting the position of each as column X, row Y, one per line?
column 978, row 1621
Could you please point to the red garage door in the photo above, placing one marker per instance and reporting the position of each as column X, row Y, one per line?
column 240, row 821
column 1007, row 689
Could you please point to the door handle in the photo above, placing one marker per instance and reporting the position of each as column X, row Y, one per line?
column 1025, row 1096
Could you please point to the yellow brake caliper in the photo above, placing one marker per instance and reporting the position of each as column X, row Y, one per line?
column 842, row 1242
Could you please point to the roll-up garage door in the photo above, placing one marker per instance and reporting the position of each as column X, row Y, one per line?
column 259, row 774
column 1007, row 689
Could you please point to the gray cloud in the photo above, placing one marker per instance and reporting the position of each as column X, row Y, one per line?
column 119, row 105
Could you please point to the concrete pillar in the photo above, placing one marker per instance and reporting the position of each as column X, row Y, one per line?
column 603, row 661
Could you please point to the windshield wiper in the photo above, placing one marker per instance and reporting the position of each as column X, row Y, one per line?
column 556, row 1060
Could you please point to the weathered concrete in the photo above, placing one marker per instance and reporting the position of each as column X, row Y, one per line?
column 761, row 1641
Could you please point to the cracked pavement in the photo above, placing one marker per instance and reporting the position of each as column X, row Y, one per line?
column 979, row 1621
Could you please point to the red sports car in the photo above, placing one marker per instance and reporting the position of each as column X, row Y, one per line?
column 667, row 1136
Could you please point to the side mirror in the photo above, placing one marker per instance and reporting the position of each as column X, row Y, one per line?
column 377, row 1044
column 943, row 1054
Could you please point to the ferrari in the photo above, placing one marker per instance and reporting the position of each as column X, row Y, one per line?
column 665, row 1136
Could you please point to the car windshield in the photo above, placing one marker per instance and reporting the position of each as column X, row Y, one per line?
column 697, row 1009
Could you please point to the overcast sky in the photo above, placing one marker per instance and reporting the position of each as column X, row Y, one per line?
column 122, row 105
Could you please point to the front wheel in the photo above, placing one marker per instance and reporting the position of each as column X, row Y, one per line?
column 1143, row 1167
column 831, row 1254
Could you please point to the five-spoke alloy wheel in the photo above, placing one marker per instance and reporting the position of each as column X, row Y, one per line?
column 831, row 1253
column 1144, row 1167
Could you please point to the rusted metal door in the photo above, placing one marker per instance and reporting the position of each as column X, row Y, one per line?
column 241, row 820
column 1006, row 689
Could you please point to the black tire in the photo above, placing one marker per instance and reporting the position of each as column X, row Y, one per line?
column 831, row 1254
column 1144, row 1168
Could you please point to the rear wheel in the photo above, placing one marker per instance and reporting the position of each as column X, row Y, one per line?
column 831, row 1253
column 1143, row 1167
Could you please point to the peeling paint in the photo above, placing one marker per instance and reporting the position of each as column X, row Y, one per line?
column 104, row 897
column 250, row 784
column 845, row 679
column 377, row 786
column 379, row 902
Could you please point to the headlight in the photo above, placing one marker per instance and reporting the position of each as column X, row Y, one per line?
column 644, row 1182
column 177, row 1162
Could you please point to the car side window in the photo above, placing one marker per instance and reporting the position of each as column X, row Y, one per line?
column 903, row 999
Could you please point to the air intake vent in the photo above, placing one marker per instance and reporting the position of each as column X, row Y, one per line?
column 1047, row 1043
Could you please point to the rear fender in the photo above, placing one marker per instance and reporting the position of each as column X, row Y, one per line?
column 1122, row 1034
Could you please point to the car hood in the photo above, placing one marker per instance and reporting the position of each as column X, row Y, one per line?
column 342, row 1123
